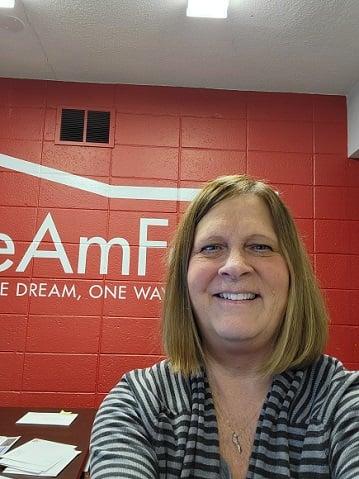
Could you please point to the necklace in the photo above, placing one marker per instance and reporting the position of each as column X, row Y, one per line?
column 236, row 442
column 239, row 436
column 234, row 435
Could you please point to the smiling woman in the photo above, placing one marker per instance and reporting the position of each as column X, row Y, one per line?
column 258, row 225
column 246, row 391
column 237, row 279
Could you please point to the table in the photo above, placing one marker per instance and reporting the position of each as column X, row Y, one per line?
column 78, row 433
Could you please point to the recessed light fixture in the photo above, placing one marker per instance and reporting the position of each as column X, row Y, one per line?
column 207, row 8
column 7, row 3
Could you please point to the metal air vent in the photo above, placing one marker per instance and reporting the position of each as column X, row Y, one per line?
column 85, row 127
column 72, row 125
column 98, row 127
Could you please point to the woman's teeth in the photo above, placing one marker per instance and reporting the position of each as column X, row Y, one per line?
column 237, row 296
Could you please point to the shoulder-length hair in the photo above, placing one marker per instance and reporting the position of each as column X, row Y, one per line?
column 302, row 335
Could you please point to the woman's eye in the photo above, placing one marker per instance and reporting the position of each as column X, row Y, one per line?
column 261, row 248
column 211, row 248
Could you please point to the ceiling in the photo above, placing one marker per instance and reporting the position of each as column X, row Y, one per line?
column 263, row 45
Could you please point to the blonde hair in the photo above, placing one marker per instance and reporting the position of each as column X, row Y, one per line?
column 303, row 332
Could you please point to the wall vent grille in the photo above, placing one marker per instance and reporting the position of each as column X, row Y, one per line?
column 98, row 127
column 85, row 127
column 72, row 125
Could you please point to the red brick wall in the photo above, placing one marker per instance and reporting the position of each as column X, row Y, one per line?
column 69, row 351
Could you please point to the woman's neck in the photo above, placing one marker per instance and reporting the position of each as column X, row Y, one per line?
column 239, row 375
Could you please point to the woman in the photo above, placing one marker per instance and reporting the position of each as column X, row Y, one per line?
column 246, row 391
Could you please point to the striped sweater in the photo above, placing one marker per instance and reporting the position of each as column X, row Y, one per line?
column 158, row 424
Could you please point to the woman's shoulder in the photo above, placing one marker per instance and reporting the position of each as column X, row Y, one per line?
column 158, row 384
column 329, row 371
column 331, row 384
column 315, row 391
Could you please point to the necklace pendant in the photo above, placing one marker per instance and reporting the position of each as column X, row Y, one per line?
column 236, row 442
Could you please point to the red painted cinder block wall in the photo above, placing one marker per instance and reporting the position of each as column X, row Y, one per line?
column 69, row 351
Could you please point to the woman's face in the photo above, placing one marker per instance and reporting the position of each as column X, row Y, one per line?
column 237, row 279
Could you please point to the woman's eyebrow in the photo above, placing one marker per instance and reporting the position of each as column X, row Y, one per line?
column 208, row 237
column 220, row 237
column 262, row 236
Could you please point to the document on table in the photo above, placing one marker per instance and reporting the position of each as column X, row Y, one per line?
column 39, row 457
column 47, row 418
column 6, row 442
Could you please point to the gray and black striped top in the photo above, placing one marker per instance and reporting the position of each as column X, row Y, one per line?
column 157, row 424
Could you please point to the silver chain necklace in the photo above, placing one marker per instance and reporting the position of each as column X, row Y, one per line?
column 235, row 437
column 236, row 442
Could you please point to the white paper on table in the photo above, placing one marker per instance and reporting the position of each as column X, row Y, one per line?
column 22, row 468
column 6, row 442
column 36, row 455
column 47, row 418
column 53, row 471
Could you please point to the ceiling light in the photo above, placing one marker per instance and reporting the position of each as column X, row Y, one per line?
column 7, row 3
column 207, row 8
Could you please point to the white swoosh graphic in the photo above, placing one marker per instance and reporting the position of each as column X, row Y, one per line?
column 97, row 187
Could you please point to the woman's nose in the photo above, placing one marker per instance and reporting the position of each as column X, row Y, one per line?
column 235, row 265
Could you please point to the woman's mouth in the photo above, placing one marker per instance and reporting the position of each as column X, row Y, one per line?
column 248, row 296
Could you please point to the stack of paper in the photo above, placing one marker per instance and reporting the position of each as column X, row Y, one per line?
column 39, row 457
column 49, row 418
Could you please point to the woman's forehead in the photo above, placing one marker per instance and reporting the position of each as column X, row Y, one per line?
column 244, row 212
